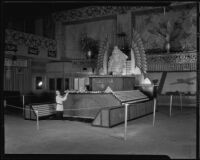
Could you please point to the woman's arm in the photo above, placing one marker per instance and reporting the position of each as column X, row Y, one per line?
column 66, row 94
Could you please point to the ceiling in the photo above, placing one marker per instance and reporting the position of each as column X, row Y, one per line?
column 38, row 9
column 22, row 10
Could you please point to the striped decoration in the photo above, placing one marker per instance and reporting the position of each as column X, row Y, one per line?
column 19, row 79
column 183, row 61
column 103, row 56
column 138, row 49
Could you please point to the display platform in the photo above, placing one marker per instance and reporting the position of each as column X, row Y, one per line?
column 106, row 109
column 116, row 83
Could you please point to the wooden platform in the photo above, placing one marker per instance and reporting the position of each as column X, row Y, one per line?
column 106, row 109
column 112, row 116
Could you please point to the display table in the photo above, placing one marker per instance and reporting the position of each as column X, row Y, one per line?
column 88, row 104
column 106, row 109
column 116, row 83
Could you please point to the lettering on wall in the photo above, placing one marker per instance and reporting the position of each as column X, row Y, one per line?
column 17, row 63
column 33, row 50
column 52, row 54
column 10, row 47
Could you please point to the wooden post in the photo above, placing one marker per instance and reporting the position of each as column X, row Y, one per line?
column 4, row 102
column 63, row 75
column 23, row 104
column 170, row 107
column 125, row 119
column 37, row 116
column 181, row 102
column 154, row 110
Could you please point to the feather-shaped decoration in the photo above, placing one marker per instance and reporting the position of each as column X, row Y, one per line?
column 103, row 56
column 139, row 51
column 134, row 69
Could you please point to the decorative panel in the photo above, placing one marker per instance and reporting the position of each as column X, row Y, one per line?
column 175, row 25
column 185, row 61
column 90, row 12
column 30, row 43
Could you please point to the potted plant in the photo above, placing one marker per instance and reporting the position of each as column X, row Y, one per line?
column 89, row 46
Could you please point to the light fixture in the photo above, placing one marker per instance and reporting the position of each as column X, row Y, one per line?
column 40, row 84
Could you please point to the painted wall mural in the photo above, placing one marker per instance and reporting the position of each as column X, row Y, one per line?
column 187, row 81
column 184, row 82
column 180, row 82
column 176, row 26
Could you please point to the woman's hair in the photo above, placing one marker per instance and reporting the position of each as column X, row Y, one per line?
column 57, row 92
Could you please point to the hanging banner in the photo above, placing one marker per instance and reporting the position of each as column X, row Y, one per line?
column 10, row 47
column 52, row 54
column 33, row 50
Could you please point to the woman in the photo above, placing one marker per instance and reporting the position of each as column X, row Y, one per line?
column 59, row 104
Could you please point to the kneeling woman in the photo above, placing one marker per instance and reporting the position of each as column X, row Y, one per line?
column 59, row 104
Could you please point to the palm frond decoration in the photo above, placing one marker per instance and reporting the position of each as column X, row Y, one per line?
column 139, row 51
column 103, row 56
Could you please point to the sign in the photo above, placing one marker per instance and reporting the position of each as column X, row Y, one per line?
column 10, row 47
column 17, row 63
column 33, row 50
column 52, row 54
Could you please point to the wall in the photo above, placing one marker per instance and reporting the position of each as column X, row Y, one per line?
column 18, row 45
column 38, row 69
column 74, row 68
column 18, row 78
column 142, row 19
column 76, row 18
column 96, row 29
column 29, row 45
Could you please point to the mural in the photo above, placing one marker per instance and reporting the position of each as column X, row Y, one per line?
column 184, row 82
column 176, row 82
column 187, row 81
column 177, row 27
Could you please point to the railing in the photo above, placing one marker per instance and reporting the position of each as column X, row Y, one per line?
column 184, row 61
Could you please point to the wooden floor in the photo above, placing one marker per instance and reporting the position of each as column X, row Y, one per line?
column 173, row 136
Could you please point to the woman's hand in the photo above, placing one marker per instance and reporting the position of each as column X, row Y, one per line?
column 66, row 91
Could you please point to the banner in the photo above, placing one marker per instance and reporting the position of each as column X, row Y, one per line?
column 32, row 50
column 10, row 47
column 52, row 54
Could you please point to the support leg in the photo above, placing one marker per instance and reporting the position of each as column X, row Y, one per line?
column 170, row 107
column 181, row 102
column 37, row 116
column 125, row 123
column 154, row 110
column 23, row 105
